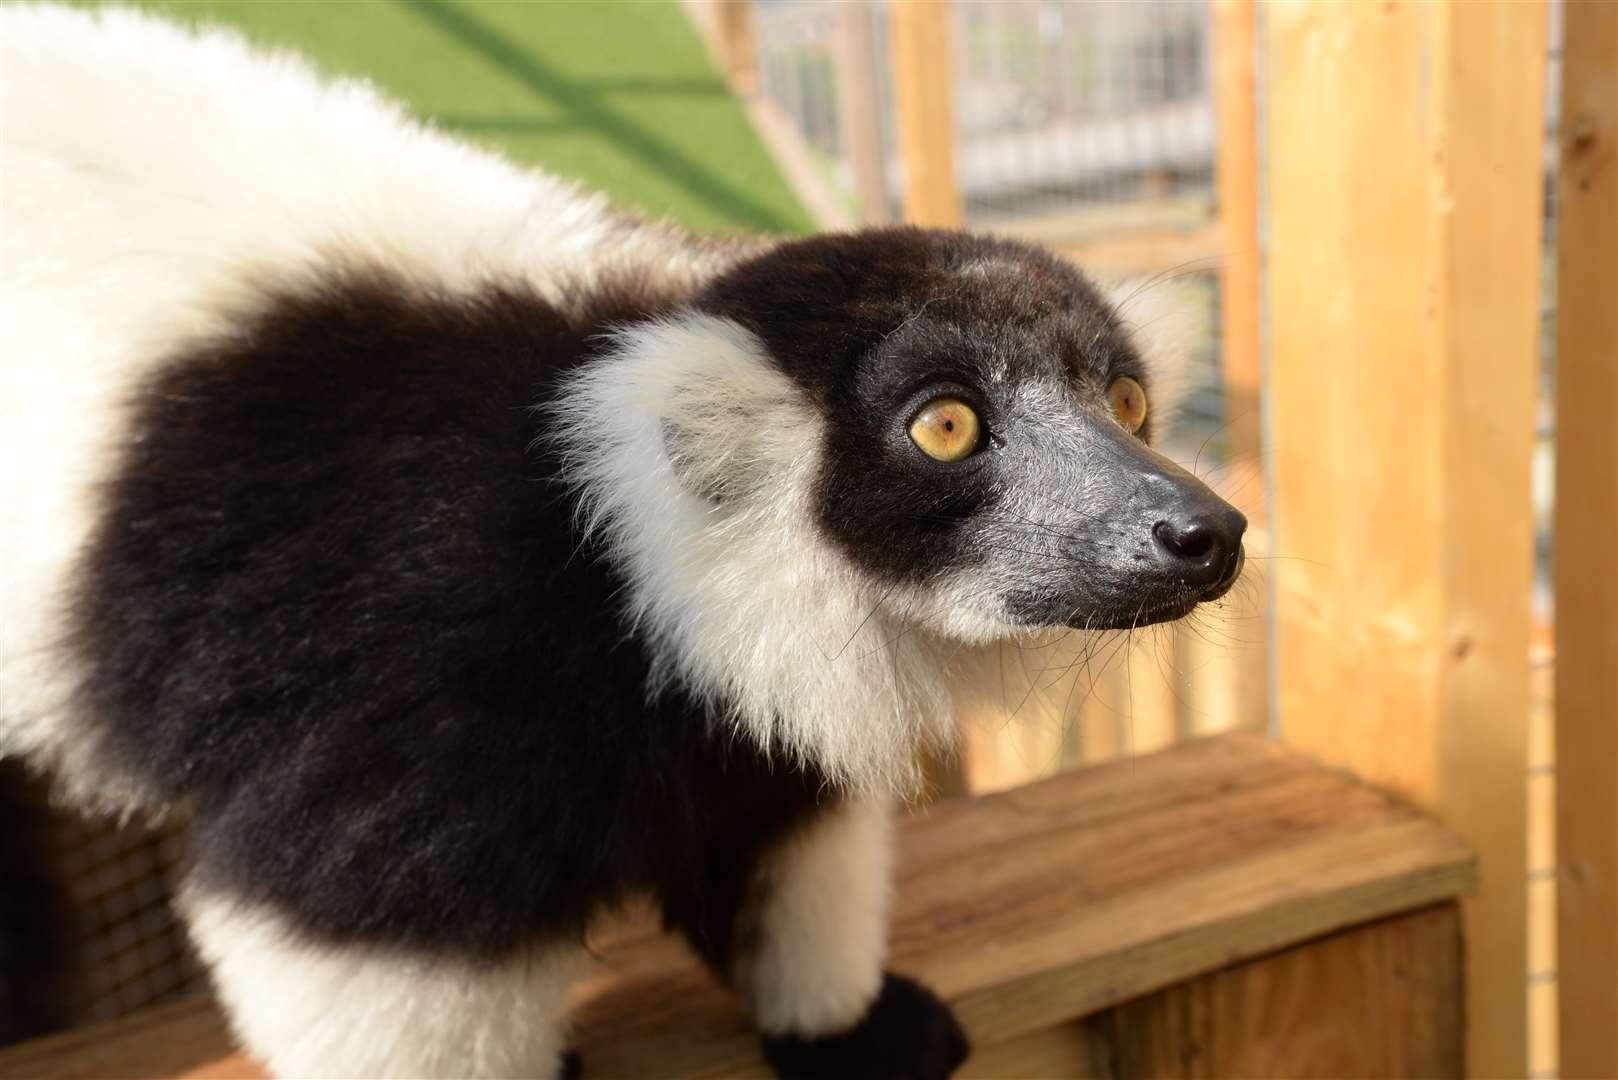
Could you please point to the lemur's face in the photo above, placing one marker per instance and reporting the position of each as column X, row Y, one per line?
column 986, row 426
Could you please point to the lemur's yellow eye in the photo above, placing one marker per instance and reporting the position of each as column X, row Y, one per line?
column 946, row 430
column 1128, row 402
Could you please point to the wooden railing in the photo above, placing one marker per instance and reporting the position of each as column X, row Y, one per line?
column 1226, row 907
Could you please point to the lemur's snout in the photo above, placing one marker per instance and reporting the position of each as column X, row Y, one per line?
column 1203, row 540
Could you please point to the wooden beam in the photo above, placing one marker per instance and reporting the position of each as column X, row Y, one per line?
column 859, row 109
column 1026, row 910
column 1244, row 671
column 1379, row 1000
column 1586, row 548
column 1235, row 45
column 1405, row 192
column 924, row 96
column 732, row 22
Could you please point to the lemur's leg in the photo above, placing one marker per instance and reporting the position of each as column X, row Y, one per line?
column 309, row 1009
column 807, row 952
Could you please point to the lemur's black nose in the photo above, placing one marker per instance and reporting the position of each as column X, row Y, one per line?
column 1204, row 543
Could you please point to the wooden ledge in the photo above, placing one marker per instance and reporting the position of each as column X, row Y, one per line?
column 1025, row 909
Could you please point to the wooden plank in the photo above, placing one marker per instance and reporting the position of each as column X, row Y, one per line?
column 163, row 1041
column 1034, row 907
column 1242, row 674
column 1379, row 1000
column 1404, row 151
column 1235, row 46
column 1145, row 252
column 1070, row 1050
column 732, row 22
column 859, row 109
column 1586, row 525
column 924, row 97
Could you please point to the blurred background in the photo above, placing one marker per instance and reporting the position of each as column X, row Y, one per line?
column 1129, row 136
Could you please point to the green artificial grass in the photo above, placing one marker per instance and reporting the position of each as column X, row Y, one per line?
column 619, row 94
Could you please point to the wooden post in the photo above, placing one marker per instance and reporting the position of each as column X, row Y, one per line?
column 733, row 39
column 1242, row 672
column 1236, row 172
column 859, row 109
column 923, row 93
column 1404, row 179
column 1586, row 525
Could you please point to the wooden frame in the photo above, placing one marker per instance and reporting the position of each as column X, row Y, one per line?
column 1405, row 194
column 924, row 96
column 1586, row 525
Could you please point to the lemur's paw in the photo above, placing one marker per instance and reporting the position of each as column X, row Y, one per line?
column 908, row 1035
column 572, row 1067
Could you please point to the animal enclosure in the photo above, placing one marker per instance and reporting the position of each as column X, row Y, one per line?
column 1368, row 809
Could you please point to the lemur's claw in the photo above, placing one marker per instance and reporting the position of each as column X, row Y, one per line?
column 908, row 1035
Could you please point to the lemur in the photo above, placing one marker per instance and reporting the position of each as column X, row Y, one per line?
column 461, row 557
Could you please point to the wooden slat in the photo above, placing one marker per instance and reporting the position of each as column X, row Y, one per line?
column 163, row 1041
column 1037, row 906
column 859, row 109
column 1235, row 47
column 1381, row 1000
column 923, row 94
column 732, row 22
column 1241, row 673
column 1586, row 548
column 1404, row 182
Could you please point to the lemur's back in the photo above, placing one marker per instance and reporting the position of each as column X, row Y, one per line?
column 156, row 188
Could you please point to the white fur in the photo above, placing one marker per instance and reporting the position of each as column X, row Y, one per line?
column 150, row 178
column 823, row 925
column 744, row 604
column 309, row 1010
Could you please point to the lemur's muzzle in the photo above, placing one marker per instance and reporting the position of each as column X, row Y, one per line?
column 1167, row 541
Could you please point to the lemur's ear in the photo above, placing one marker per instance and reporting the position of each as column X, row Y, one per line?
column 730, row 421
column 693, row 395
column 684, row 449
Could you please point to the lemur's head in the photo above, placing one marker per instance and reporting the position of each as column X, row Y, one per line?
column 847, row 439
column 983, row 421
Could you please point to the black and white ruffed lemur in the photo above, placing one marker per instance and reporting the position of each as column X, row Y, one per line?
column 461, row 558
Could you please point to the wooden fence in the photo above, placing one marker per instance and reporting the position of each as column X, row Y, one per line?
column 1400, row 283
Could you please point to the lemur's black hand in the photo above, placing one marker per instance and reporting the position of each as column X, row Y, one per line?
column 908, row 1035
column 572, row 1066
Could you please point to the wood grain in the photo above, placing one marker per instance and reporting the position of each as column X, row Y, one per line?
column 859, row 106
column 923, row 93
column 1028, row 909
column 1245, row 681
column 1382, row 1000
column 1587, row 544
column 1405, row 194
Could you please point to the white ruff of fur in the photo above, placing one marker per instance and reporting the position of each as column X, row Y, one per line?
column 742, row 601
column 313, row 1010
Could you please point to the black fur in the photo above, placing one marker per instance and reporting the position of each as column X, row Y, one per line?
column 336, row 604
column 907, row 1035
